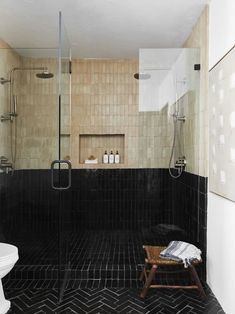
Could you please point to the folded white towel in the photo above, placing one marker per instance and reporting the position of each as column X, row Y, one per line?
column 91, row 161
column 181, row 252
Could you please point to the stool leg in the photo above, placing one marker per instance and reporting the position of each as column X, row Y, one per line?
column 148, row 281
column 143, row 272
column 197, row 281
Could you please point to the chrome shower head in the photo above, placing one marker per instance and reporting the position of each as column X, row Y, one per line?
column 45, row 75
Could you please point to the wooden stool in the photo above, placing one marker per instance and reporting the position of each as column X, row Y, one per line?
column 153, row 260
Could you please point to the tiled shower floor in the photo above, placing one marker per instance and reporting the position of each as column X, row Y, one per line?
column 96, row 246
column 111, row 258
column 105, row 267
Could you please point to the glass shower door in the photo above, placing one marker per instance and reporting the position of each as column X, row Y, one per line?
column 169, row 132
column 29, row 141
column 63, row 164
column 35, row 165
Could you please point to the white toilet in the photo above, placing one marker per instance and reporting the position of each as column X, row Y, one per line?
column 8, row 258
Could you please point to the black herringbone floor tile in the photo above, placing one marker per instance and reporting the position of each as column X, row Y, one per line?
column 112, row 301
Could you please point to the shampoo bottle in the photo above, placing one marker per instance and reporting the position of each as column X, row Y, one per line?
column 117, row 158
column 105, row 158
column 111, row 157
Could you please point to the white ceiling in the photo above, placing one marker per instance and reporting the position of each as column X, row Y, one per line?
column 100, row 28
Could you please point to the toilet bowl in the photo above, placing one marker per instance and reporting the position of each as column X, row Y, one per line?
column 8, row 258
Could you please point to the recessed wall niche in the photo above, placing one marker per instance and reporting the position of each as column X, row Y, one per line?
column 96, row 144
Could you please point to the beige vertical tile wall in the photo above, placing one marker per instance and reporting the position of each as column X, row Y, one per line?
column 187, row 139
column 8, row 60
column 37, row 121
column 155, row 139
column 104, row 116
column 199, row 39
column 105, row 101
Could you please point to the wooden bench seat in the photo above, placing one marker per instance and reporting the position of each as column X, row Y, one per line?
column 151, row 269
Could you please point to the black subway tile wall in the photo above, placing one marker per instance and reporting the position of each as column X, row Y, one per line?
column 190, row 210
column 119, row 199
column 107, row 215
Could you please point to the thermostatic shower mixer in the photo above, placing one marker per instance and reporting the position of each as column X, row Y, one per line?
column 181, row 162
column 5, row 165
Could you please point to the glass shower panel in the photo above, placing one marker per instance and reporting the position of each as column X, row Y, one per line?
column 169, row 124
column 35, row 166
column 64, row 60
column 169, row 90
column 29, row 143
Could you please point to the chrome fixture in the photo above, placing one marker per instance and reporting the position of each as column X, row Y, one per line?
column 13, row 98
column 179, row 118
column 142, row 76
column 181, row 163
column 3, row 81
column 45, row 75
column 7, row 117
column 5, row 166
column 12, row 113
column 30, row 69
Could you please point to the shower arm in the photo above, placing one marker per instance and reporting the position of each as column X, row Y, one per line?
column 27, row 69
column 13, row 98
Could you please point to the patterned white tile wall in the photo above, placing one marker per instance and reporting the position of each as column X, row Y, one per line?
column 222, row 127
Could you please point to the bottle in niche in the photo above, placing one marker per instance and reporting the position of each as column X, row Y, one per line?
column 105, row 158
column 111, row 157
column 117, row 158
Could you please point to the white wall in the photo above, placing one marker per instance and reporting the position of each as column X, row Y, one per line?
column 221, row 211
column 221, row 29
column 221, row 250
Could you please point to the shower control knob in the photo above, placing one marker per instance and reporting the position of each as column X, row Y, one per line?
column 3, row 159
column 181, row 162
